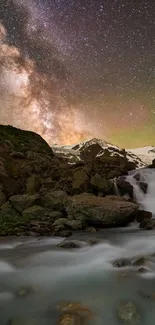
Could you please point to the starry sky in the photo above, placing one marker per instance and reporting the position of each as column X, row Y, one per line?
column 73, row 69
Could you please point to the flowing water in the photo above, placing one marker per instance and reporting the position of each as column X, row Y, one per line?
column 146, row 201
column 86, row 274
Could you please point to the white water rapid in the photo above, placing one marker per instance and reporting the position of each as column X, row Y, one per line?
column 146, row 201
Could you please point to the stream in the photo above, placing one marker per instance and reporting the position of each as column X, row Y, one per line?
column 86, row 274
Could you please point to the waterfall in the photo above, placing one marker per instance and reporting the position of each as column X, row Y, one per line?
column 116, row 189
column 146, row 201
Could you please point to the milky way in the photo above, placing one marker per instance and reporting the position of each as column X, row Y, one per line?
column 74, row 69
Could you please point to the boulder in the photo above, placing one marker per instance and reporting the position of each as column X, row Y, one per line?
column 59, row 222
column 128, row 313
column 54, row 215
column 80, row 180
column 143, row 215
column 22, row 202
column 54, row 200
column 74, row 224
column 109, row 211
column 34, row 212
column 101, row 184
column 124, row 186
column 33, row 184
column 9, row 219
column 147, row 224
column 90, row 229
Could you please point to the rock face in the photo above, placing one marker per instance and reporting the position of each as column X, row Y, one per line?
column 110, row 211
column 23, row 154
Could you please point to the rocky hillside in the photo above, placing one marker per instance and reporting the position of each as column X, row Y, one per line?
column 42, row 192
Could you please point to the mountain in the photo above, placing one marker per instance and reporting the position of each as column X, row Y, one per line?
column 146, row 154
column 95, row 148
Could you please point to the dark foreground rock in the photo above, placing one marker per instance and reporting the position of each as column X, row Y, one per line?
column 147, row 224
column 143, row 215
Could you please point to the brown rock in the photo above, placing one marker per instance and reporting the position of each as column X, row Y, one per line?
column 108, row 211
column 90, row 229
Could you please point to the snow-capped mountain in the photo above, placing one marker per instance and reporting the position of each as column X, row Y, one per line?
column 94, row 148
column 146, row 154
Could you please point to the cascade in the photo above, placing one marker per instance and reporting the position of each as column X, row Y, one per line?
column 146, row 175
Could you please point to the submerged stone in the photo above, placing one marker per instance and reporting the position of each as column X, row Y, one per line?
column 128, row 313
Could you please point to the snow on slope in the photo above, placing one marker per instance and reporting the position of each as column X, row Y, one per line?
column 146, row 154
column 73, row 153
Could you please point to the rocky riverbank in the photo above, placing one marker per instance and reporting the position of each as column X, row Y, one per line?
column 43, row 193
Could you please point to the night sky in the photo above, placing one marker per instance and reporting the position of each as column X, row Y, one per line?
column 73, row 69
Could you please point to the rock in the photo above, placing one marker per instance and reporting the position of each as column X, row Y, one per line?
column 143, row 215
column 22, row 202
column 74, row 224
column 109, row 211
column 2, row 198
column 101, row 184
column 93, row 241
column 80, row 180
column 24, row 292
column 11, row 187
column 68, row 244
column 139, row 261
column 122, row 263
column 33, row 184
column 137, row 177
column 54, row 215
column 143, row 186
column 65, row 233
column 9, row 219
column 124, row 186
column 90, row 229
column 35, row 212
column 128, row 313
column 147, row 224
column 147, row 295
column 59, row 222
column 17, row 155
column 142, row 270
column 54, row 200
